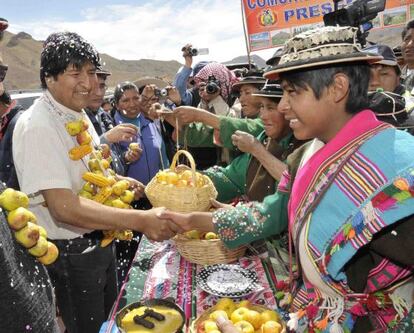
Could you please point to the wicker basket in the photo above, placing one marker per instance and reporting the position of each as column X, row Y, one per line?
column 181, row 199
column 205, row 315
column 206, row 252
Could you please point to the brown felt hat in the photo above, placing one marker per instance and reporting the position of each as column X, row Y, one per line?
column 320, row 47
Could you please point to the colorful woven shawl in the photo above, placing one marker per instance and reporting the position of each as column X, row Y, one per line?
column 366, row 178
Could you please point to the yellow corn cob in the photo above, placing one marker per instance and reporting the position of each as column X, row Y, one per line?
column 96, row 179
column 109, row 236
column 124, row 234
column 103, row 194
column 79, row 152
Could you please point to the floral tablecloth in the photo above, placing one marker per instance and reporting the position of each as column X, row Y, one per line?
column 158, row 271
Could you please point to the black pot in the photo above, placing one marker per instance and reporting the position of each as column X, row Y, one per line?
column 167, row 302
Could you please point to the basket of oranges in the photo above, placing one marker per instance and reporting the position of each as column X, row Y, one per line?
column 247, row 317
column 181, row 190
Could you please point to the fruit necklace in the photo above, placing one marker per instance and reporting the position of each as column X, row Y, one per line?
column 24, row 225
column 101, row 184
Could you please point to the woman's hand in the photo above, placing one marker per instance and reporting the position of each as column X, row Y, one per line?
column 135, row 186
column 133, row 155
column 188, row 114
column 217, row 204
column 202, row 221
column 174, row 95
column 121, row 132
column 245, row 142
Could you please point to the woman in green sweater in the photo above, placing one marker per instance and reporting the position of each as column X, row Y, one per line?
column 253, row 175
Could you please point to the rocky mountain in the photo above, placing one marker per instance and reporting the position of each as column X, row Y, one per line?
column 22, row 54
column 259, row 61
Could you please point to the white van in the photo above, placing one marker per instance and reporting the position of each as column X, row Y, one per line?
column 25, row 98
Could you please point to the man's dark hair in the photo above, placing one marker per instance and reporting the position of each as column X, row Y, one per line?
column 408, row 26
column 61, row 49
column 121, row 88
column 321, row 78
column 5, row 98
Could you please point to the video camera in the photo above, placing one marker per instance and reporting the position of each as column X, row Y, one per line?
column 213, row 85
column 358, row 14
column 192, row 51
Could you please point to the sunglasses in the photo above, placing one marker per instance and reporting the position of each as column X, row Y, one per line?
column 3, row 72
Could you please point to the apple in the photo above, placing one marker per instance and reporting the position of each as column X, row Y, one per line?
column 28, row 236
column 254, row 318
column 11, row 199
column 89, row 187
column 271, row 327
column 118, row 203
column 84, row 194
column 193, row 234
column 127, row 196
column 215, row 314
column 244, row 326
column 239, row 314
column 83, row 138
column 42, row 232
column 199, row 180
column 186, row 175
column 161, row 176
column 211, row 235
column 120, row 186
column 74, row 127
column 51, row 254
column 134, row 146
column 94, row 164
column 40, row 248
column 210, row 325
column 244, row 303
column 172, row 178
column 227, row 305
column 182, row 183
column 105, row 150
column 19, row 217
column 85, row 124
column 268, row 315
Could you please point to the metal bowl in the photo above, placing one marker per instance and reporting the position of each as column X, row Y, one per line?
column 167, row 302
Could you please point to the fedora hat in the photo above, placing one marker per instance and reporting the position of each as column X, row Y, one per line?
column 271, row 89
column 387, row 53
column 320, row 47
column 100, row 71
column 251, row 77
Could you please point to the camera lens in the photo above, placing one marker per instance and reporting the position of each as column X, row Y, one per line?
column 163, row 92
column 212, row 88
column 193, row 52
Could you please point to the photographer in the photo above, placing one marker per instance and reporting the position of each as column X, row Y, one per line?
column 214, row 82
column 385, row 81
column 183, row 80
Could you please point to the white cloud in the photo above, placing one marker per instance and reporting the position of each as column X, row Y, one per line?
column 156, row 30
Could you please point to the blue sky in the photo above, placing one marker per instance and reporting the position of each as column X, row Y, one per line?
column 137, row 29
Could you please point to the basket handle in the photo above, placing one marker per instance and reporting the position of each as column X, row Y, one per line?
column 189, row 158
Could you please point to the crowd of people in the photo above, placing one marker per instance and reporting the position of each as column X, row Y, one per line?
column 311, row 157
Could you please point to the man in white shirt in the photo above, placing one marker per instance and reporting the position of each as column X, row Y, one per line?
column 84, row 275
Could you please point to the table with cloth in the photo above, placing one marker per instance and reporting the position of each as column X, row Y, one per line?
column 158, row 271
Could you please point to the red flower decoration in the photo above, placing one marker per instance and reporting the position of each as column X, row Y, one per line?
column 311, row 311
